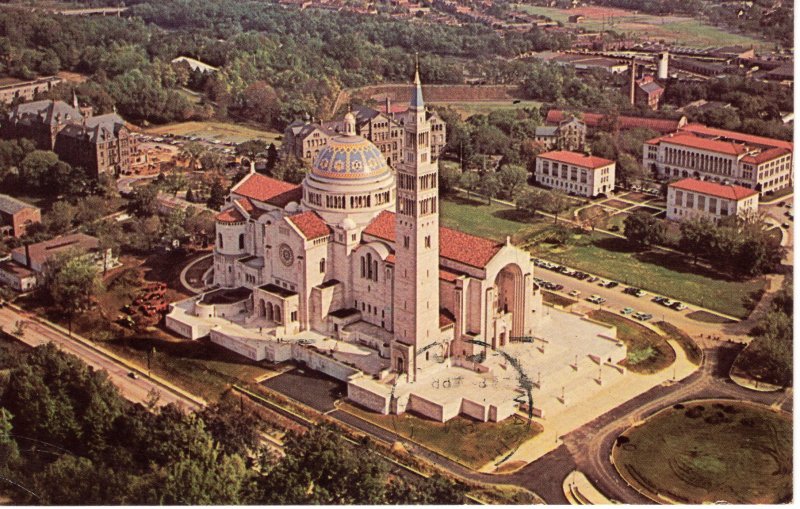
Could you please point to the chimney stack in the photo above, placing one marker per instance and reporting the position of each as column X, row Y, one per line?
column 388, row 107
column 633, row 81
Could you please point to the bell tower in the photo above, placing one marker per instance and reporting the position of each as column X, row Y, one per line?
column 416, row 277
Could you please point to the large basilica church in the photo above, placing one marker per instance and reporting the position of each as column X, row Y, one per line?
column 351, row 273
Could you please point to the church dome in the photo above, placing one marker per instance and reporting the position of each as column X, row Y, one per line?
column 350, row 158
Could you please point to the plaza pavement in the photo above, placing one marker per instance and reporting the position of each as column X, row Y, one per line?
column 582, row 406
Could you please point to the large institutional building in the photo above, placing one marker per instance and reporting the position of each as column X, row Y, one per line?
column 385, row 129
column 96, row 143
column 351, row 274
column 693, row 199
column 721, row 156
column 575, row 173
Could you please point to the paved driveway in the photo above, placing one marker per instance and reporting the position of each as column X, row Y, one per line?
column 310, row 387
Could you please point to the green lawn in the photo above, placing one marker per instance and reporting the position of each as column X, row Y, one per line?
column 681, row 30
column 467, row 109
column 496, row 221
column 657, row 271
column 710, row 452
column 471, row 442
column 648, row 352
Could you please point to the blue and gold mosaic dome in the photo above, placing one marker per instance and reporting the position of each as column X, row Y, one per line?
column 349, row 158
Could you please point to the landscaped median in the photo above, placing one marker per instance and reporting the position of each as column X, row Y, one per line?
column 709, row 451
column 648, row 351
column 463, row 440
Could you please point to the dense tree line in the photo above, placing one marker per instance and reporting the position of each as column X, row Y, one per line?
column 67, row 437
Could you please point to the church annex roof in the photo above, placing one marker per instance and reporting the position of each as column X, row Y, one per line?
column 268, row 190
column 310, row 225
column 454, row 245
column 45, row 111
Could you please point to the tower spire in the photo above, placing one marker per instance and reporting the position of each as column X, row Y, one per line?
column 416, row 95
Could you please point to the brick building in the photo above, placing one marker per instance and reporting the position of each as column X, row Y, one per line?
column 99, row 144
column 16, row 216
column 26, row 90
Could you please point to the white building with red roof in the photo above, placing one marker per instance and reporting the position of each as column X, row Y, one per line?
column 721, row 156
column 351, row 274
column 575, row 173
column 691, row 199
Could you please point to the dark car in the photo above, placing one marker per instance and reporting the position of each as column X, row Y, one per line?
column 558, row 287
column 612, row 284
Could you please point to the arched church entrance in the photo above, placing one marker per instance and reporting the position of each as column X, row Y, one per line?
column 509, row 291
column 262, row 309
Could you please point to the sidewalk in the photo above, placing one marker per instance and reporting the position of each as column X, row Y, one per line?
column 580, row 491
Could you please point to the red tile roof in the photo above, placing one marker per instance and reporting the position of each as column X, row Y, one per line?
column 692, row 141
column 230, row 215
column 706, row 131
column 454, row 245
column 729, row 192
column 767, row 155
column 43, row 251
column 577, row 159
column 661, row 125
column 268, row 190
column 310, row 225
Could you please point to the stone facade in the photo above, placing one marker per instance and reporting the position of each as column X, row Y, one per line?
column 692, row 199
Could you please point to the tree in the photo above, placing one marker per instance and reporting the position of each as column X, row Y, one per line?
column 321, row 468
column 697, row 237
column 435, row 490
column 449, row 178
column 512, row 178
column 629, row 170
column 236, row 429
column 593, row 216
column 145, row 201
column 489, row 185
column 261, row 103
column 216, row 198
column 470, row 181
column 212, row 160
column 252, row 148
column 35, row 168
column 533, row 200
column 272, row 157
column 192, row 152
column 556, row 203
column 643, row 230
column 71, row 279
column 289, row 169
column 60, row 217
column 146, row 233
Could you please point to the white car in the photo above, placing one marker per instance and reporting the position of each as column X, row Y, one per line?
column 574, row 293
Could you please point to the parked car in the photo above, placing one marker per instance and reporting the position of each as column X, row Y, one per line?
column 678, row 306
column 658, row 299
column 581, row 275
column 627, row 311
column 602, row 283
column 612, row 284
column 558, row 287
column 133, row 375
column 642, row 316
column 574, row 293
column 632, row 290
column 667, row 302
column 785, row 225
column 592, row 279
column 596, row 299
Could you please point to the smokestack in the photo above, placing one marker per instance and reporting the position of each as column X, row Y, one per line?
column 663, row 65
column 388, row 106
column 633, row 81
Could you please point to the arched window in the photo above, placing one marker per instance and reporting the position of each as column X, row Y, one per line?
column 277, row 313
column 241, row 241
column 322, row 266
column 369, row 265
column 220, row 241
column 375, row 270
column 363, row 268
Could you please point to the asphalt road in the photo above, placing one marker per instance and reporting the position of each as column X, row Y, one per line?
column 135, row 390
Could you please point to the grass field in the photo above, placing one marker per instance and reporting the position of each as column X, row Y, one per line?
column 217, row 131
column 648, row 352
column 661, row 272
column 495, row 221
column 665, row 273
column 710, row 452
column 471, row 442
column 674, row 29
column 467, row 109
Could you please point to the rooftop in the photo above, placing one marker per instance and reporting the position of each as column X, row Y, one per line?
column 277, row 290
column 577, row 159
column 692, row 141
column 454, row 245
column 268, row 190
column 11, row 205
column 661, row 125
column 705, row 131
column 42, row 251
column 310, row 225
column 728, row 192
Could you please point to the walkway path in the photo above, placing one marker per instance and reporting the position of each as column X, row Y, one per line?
column 185, row 282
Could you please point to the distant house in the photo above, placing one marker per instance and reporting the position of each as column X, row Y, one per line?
column 26, row 90
column 569, row 134
column 195, row 65
column 23, row 272
column 16, row 216
column 648, row 92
